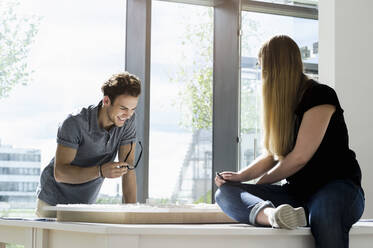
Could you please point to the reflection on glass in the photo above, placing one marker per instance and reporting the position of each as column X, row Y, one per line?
column 180, row 103
column 72, row 47
column 258, row 28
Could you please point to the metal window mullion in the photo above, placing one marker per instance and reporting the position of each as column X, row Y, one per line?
column 226, row 87
column 138, row 34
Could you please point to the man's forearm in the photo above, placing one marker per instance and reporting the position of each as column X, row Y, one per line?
column 129, row 187
column 129, row 197
column 75, row 174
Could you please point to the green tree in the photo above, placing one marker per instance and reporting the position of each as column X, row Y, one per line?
column 17, row 33
column 195, row 97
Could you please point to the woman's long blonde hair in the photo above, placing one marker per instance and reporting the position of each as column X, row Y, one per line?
column 283, row 85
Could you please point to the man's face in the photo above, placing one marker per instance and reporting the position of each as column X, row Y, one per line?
column 121, row 109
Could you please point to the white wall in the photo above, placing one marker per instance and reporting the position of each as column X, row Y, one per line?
column 346, row 63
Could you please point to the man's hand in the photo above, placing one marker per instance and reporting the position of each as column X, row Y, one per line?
column 114, row 169
column 225, row 176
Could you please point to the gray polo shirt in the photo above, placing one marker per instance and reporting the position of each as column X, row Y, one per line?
column 94, row 146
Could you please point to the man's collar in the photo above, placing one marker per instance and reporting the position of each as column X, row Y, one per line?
column 93, row 122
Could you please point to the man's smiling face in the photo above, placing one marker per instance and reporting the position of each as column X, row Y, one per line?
column 121, row 109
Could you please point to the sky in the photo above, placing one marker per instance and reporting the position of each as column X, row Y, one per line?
column 82, row 43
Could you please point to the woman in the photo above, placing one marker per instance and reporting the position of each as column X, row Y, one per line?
column 306, row 142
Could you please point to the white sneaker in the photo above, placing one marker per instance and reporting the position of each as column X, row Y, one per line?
column 287, row 217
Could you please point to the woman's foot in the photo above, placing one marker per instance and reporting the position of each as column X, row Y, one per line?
column 287, row 217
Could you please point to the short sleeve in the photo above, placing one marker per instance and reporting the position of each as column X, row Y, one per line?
column 318, row 94
column 129, row 133
column 69, row 133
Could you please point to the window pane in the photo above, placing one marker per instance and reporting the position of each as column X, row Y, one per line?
column 180, row 103
column 258, row 28
column 75, row 46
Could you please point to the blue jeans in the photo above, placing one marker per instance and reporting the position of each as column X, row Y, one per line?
column 331, row 211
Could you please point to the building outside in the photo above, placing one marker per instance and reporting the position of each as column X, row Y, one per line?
column 19, row 176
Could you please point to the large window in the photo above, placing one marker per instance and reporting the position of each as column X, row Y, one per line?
column 72, row 47
column 257, row 28
column 180, row 149
column 57, row 55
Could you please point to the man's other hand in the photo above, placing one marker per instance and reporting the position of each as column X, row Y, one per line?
column 114, row 169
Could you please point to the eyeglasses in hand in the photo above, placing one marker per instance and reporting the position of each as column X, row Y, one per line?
column 132, row 167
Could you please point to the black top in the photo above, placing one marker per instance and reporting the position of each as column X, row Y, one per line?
column 333, row 159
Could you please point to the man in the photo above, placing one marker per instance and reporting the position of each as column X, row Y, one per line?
column 87, row 144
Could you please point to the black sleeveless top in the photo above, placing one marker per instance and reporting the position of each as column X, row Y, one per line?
column 333, row 159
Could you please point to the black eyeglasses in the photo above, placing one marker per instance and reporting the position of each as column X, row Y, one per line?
column 132, row 167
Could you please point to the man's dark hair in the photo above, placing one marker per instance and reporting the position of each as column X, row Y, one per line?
column 121, row 84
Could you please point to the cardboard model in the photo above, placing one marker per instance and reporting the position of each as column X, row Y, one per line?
column 141, row 213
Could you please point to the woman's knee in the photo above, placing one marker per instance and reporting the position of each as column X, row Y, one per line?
column 218, row 196
column 224, row 193
column 229, row 197
column 335, row 206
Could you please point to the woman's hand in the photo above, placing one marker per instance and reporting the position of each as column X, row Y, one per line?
column 225, row 176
